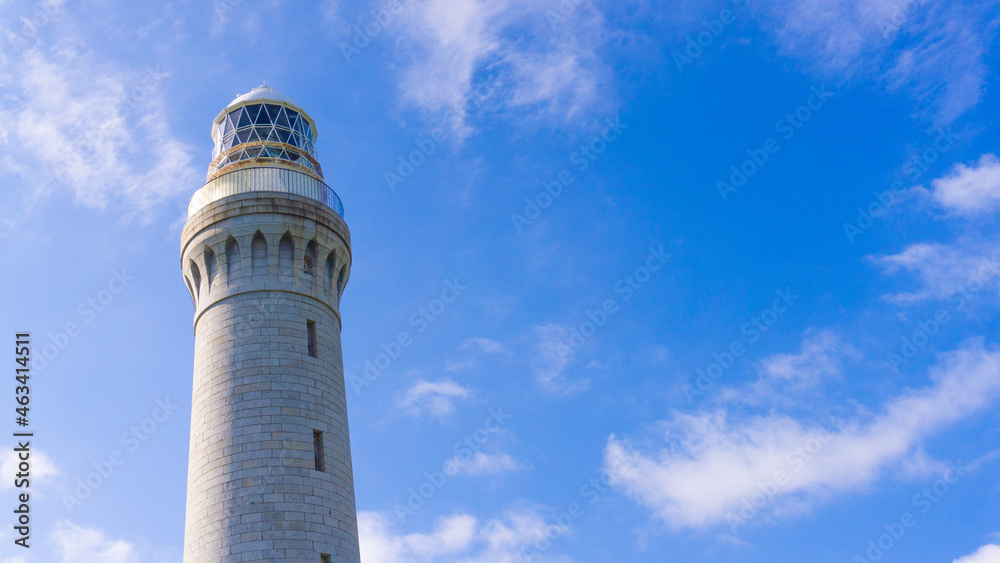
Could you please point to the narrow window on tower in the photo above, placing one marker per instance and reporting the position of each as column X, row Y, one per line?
column 324, row 558
column 318, row 449
column 311, row 337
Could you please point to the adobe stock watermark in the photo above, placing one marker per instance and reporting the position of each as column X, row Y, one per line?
column 901, row 14
column 581, row 160
column 752, row 330
column 224, row 7
column 786, row 127
column 89, row 146
column 714, row 28
column 563, row 12
column 366, row 32
column 914, row 168
column 131, row 440
column 927, row 329
column 427, row 145
column 463, row 450
column 592, row 489
column 793, row 462
column 45, row 13
column 922, row 502
column 626, row 287
column 421, row 319
column 87, row 311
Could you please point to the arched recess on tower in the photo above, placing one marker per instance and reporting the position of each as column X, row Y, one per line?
column 286, row 256
column 258, row 254
column 211, row 265
column 331, row 272
column 234, row 260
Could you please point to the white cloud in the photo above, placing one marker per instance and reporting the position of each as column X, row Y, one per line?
column 460, row 365
column 783, row 376
column 485, row 345
column 971, row 264
column 436, row 399
column 77, row 544
column 944, row 65
column 459, row 538
column 331, row 15
column 42, row 467
column 987, row 554
column 551, row 354
column 481, row 464
column 561, row 77
column 711, row 464
column 455, row 37
column 819, row 359
column 450, row 45
column 74, row 124
column 970, row 191
column 931, row 52
column 378, row 542
column 945, row 269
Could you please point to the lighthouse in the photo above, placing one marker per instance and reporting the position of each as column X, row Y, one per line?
column 265, row 254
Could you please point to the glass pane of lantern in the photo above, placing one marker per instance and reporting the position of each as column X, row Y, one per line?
column 282, row 120
column 244, row 118
column 262, row 118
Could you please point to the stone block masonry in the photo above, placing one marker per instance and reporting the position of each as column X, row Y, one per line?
column 263, row 268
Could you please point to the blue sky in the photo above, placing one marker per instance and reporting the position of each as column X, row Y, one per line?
column 727, row 273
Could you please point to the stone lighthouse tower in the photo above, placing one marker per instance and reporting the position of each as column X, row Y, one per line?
column 266, row 254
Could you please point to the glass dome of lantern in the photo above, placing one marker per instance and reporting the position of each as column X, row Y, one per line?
column 264, row 127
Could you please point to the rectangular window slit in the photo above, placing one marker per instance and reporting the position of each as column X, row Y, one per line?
column 318, row 449
column 311, row 336
column 324, row 558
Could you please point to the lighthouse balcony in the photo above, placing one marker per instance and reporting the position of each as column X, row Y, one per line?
column 265, row 179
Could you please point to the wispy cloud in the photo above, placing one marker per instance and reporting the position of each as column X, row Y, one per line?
column 820, row 358
column 786, row 378
column 485, row 345
column 474, row 347
column 482, row 464
column 969, row 264
column 435, row 399
column 989, row 553
column 448, row 46
column 74, row 125
column 943, row 65
column 933, row 52
column 970, row 191
column 459, row 538
column 945, row 269
column 711, row 463
column 77, row 544
column 550, row 355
